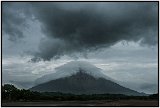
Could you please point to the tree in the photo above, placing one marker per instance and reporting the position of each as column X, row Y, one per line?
column 10, row 92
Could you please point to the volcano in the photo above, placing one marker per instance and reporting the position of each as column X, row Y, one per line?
column 80, row 78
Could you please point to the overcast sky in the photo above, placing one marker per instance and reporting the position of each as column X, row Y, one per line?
column 119, row 37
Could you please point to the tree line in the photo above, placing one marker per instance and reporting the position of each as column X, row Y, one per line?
column 11, row 93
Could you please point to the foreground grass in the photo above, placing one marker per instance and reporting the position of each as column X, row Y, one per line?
column 151, row 103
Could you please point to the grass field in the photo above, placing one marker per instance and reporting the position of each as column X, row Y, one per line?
column 86, row 103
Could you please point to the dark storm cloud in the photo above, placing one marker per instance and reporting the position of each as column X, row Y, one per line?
column 87, row 26
column 14, row 16
column 83, row 26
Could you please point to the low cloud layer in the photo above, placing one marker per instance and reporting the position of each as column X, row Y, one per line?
column 134, row 67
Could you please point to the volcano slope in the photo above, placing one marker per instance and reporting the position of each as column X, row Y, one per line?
column 83, row 82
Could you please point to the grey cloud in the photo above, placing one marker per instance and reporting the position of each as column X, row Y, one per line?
column 84, row 27
column 54, row 48
column 149, row 86
column 14, row 16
